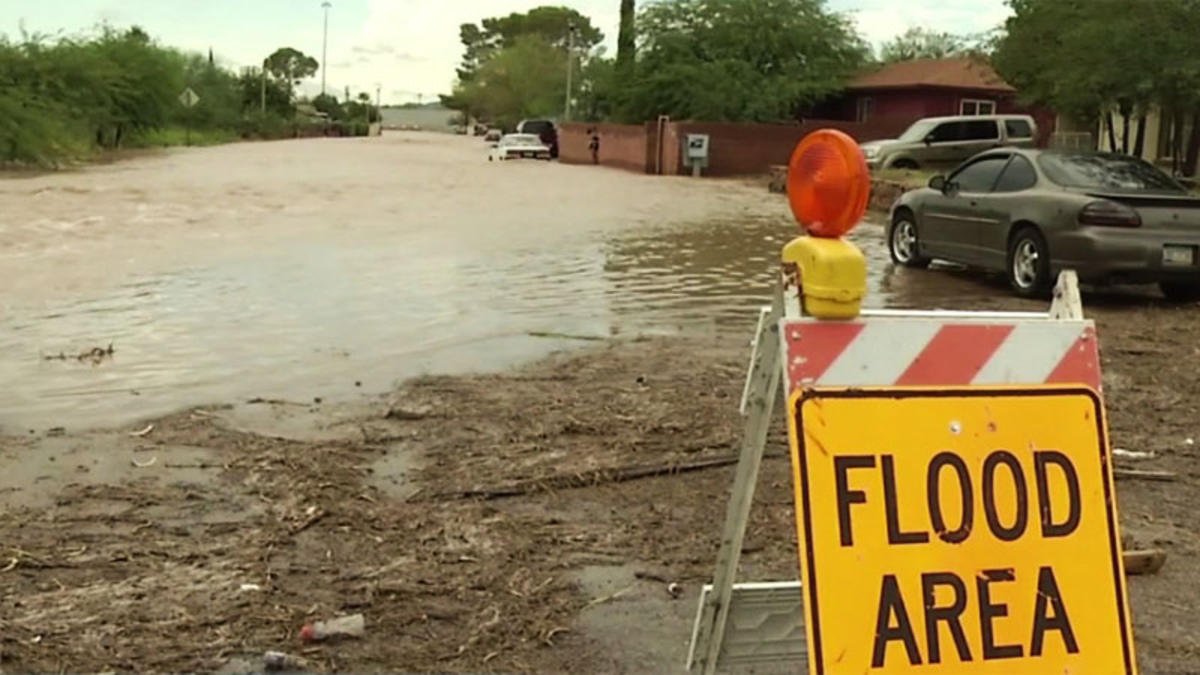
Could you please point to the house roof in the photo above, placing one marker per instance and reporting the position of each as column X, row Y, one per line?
column 957, row 73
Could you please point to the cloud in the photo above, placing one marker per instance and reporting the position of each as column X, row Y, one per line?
column 373, row 50
column 429, row 28
column 880, row 20
column 367, row 54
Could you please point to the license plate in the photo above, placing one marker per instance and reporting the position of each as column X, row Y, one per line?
column 1179, row 255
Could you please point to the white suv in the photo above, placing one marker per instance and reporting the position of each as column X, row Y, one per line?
column 938, row 142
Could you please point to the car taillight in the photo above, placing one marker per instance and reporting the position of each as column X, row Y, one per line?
column 1110, row 214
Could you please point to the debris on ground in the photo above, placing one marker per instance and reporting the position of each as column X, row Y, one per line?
column 95, row 355
column 142, row 432
column 353, row 625
column 470, row 584
column 1144, row 562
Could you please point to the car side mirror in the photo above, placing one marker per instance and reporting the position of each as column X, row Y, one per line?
column 928, row 139
column 944, row 185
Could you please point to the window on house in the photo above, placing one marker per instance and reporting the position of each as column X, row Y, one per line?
column 971, row 106
column 865, row 106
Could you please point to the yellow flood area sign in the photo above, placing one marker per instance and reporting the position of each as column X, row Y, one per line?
column 958, row 531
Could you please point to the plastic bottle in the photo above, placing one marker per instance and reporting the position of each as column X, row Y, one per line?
column 343, row 626
column 275, row 661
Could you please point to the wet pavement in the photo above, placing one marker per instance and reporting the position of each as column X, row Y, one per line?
column 323, row 268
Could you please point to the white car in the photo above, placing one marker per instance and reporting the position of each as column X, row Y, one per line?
column 516, row 146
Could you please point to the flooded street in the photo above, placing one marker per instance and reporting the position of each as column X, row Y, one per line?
column 321, row 268
column 293, row 270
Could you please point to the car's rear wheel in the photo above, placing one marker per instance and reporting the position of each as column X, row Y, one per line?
column 1029, row 263
column 1180, row 292
column 903, row 243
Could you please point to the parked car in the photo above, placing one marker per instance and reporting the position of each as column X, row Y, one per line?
column 492, row 135
column 545, row 130
column 1032, row 213
column 517, row 146
column 946, row 141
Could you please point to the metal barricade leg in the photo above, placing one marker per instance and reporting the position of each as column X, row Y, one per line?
column 763, row 390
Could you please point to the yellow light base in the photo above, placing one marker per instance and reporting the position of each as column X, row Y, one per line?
column 832, row 275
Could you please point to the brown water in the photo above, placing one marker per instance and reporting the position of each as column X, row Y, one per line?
column 295, row 270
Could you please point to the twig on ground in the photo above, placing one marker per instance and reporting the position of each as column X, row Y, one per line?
column 581, row 479
column 1145, row 475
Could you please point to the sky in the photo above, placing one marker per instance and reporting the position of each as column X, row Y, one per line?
column 407, row 48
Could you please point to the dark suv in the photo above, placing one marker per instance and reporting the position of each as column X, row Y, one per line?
column 544, row 129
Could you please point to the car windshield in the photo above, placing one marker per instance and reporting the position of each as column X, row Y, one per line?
column 1104, row 171
column 537, row 127
column 918, row 131
column 521, row 139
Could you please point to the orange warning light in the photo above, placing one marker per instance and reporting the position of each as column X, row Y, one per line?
column 828, row 183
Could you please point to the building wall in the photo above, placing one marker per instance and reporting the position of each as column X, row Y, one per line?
column 745, row 149
column 734, row 149
column 1152, row 144
column 621, row 145
column 902, row 107
column 428, row 119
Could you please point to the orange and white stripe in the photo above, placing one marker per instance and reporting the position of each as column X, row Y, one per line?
column 932, row 352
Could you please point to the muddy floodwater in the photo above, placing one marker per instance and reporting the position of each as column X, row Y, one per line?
column 321, row 268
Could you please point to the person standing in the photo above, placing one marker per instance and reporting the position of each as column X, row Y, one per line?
column 594, row 144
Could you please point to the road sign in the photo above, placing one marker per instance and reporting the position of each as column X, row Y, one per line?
column 968, row 530
column 189, row 98
column 940, row 348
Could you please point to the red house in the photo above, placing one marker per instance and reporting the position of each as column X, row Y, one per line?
column 906, row 91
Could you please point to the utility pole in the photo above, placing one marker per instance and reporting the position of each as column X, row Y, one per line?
column 324, row 45
column 570, row 68
column 264, row 87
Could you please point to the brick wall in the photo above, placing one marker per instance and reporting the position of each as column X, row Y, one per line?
column 734, row 148
column 621, row 145
column 746, row 149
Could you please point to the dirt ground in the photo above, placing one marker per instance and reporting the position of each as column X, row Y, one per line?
column 522, row 521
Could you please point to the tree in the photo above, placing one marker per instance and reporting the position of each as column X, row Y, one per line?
column 65, row 96
column 526, row 79
column 291, row 66
column 1091, row 58
column 552, row 24
column 599, row 96
column 328, row 104
column 921, row 43
column 752, row 60
column 251, row 90
column 626, row 38
column 515, row 66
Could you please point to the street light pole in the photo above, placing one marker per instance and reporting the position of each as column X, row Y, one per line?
column 570, row 68
column 324, row 45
